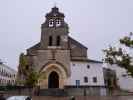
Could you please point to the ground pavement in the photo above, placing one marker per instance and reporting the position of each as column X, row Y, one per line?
column 84, row 98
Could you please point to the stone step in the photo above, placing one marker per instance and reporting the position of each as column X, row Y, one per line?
column 52, row 92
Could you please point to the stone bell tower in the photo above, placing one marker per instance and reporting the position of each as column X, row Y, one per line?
column 54, row 31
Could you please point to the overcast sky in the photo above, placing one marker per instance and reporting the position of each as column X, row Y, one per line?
column 95, row 23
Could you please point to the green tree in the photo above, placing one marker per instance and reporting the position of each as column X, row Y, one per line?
column 23, row 64
column 32, row 78
column 29, row 75
column 119, row 56
column 21, row 69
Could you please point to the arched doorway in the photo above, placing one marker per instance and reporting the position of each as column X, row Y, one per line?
column 53, row 80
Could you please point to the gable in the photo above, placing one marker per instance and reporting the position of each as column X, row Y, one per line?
column 77, row 50
column 76, row 43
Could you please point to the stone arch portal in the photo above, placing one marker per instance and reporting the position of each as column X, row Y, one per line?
column 53, row 76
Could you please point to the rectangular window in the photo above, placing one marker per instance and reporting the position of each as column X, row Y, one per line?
column 88, row 66
column 95, row 79
column 77, row 83
column 86, row 79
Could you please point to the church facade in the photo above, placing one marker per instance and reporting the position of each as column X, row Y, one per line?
column 61, row 60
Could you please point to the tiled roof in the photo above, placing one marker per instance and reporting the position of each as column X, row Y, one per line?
column 35, row 47
column 71, row 40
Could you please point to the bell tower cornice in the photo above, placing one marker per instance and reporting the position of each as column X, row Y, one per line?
column 54, row 19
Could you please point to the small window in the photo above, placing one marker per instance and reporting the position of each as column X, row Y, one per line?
column 95, row 79
column 86, row 79
column 105, row 81
column 88, row 66
column 77, row 83
column 73, row 64
column 27, row 67
column 58, row 41
column 50, row 40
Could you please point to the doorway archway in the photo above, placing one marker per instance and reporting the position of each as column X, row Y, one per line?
column 53, row 80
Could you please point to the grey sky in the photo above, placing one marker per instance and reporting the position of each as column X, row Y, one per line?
column 95, row 23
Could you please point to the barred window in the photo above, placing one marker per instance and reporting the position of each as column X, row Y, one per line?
column 95, row 79
column 86, row 79
column 88, row 66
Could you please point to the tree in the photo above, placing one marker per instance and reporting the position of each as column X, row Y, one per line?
column 22, row 72
column 23, row 64
column 119, row 56
column 26, row 75
column 32, row 78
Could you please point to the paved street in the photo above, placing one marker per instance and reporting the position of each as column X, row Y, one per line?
column 85, row 98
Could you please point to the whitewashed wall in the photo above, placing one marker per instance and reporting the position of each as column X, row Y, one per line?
column 124, row 81
column 4, row 79
column 79, row 70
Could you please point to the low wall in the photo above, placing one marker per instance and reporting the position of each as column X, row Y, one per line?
column 68, row 91
column 89, row 91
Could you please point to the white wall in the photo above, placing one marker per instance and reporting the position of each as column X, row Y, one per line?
column 124, row 82
column 4, row 79
column 79, row 70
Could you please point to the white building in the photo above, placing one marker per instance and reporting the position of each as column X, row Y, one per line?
column 88, row 73
column 124, row 81
column 7, row 75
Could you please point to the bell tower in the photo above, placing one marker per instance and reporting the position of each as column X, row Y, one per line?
column 54, row 31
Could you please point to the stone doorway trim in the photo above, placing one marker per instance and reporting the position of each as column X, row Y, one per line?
column 44, row 80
